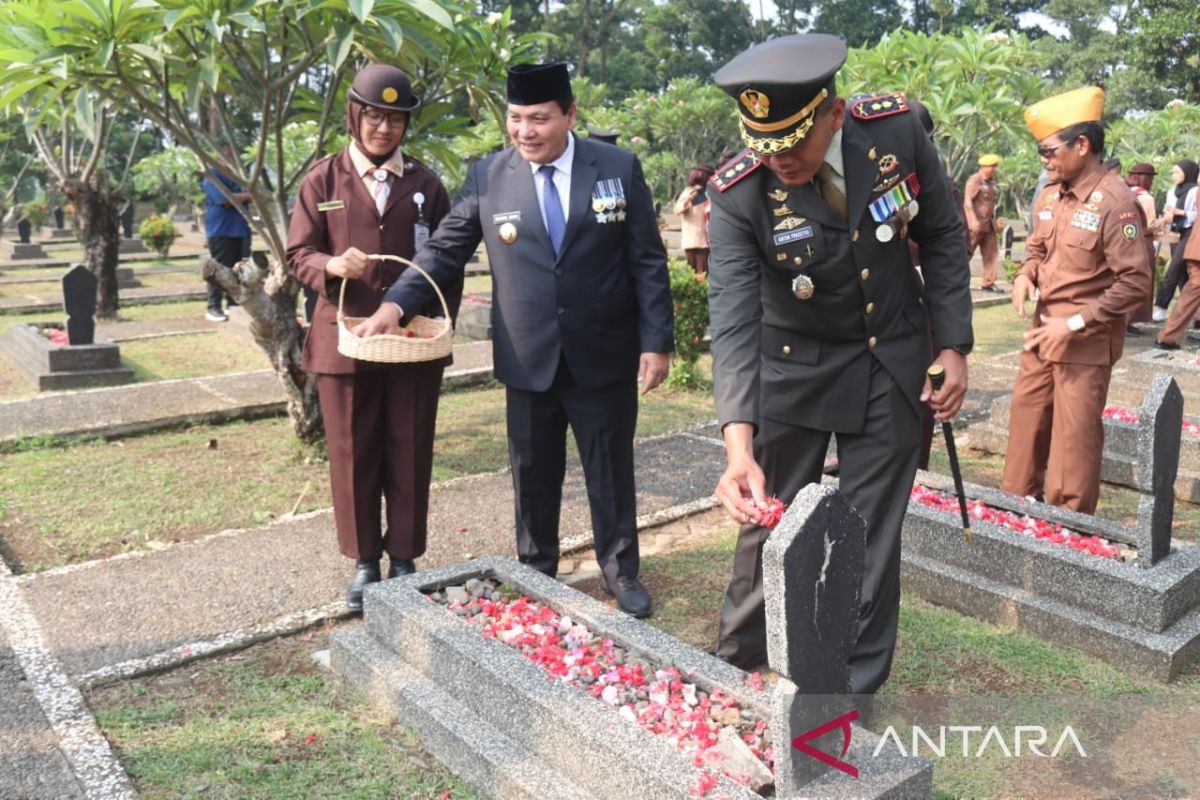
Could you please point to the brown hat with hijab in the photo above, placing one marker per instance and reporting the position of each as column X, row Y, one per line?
column 385, row 87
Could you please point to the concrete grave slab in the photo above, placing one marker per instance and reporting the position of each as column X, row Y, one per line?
column 410, row 643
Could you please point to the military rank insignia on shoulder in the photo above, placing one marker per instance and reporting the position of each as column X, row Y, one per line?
column 885, row 105
column 734, row 170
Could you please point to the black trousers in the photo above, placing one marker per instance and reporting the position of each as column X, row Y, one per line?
column 226, row 251
column 603, row 422
column 876, row 470
column 1176, row 274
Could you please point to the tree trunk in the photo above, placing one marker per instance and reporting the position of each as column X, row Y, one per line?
column 267, row 292
column 96, row 206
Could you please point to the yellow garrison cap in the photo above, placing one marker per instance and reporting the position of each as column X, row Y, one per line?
column 1048, row 117
column 989, row 160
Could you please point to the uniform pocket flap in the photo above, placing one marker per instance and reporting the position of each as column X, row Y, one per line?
column 789, row 345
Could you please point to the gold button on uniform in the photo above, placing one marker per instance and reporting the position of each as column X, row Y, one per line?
column 870, row 307
column 787, row 349
column 797, row 261
column 854, row 236
column 866, row 273
column 871, row 342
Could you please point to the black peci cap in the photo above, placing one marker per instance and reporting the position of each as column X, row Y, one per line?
column 530, row 84
column 601, row 135
column 384, row 86
column 778, row 86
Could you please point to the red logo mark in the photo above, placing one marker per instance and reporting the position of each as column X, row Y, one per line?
column 801, row 742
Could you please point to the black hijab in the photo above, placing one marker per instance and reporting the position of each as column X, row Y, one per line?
column 1191, row 172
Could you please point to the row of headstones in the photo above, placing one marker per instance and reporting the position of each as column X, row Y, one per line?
column 25, row 227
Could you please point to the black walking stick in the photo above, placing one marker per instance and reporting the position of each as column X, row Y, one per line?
column 937, row 377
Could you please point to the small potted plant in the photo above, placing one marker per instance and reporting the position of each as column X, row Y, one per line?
column 158, row 232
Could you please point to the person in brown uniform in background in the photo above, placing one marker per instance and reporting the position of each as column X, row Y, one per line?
column 979, row 205
column 379, row 418
column 1141, row 182
column 1088, row 259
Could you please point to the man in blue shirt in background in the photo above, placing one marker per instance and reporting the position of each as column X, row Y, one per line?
column 227, row 232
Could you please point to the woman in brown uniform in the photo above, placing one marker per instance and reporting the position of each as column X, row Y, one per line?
column 379, row 418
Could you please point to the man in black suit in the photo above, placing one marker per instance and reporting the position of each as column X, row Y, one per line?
column 820, row 324
column 581, row 314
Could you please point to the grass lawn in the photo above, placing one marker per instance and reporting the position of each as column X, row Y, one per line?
column 190, row 356
column 998, row 329
column 162, row 487
column 263, row 724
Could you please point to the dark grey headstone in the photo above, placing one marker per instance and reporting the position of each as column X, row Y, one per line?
column 59, row 217
column 24, row 229
column 1160, row 420
column 127, row 220
column 79, row 300
column 812, row 584
column 1009, row 235
column 812, row 581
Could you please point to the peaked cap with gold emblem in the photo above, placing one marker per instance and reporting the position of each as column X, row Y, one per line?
column 778, row 86
column 384, row 86
column 1048, row 117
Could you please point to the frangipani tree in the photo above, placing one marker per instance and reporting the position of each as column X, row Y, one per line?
column 210, row 72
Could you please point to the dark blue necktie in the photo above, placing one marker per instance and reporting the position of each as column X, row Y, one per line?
column 556, row 225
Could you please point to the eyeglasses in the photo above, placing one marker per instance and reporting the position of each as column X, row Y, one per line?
column 1047, row 152
column 376, row 118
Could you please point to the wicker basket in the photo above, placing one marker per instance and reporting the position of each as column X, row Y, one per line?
column 423, row 339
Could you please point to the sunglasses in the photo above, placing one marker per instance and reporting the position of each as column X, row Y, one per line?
column 376, row 118
column 1048, row 152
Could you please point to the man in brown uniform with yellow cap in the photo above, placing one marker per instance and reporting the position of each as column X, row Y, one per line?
column 979, row 205
column 1087, row 259
column 821, row 326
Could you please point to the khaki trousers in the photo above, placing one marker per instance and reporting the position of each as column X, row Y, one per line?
column 1056, row 433
column 1185, row 307
column 989, row 250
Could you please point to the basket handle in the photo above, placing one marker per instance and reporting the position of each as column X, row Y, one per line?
column 384, row 257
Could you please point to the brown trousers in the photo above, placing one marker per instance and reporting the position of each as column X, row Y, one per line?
column 379, row 427
column 1056, row 433
column 697, row 259
column 1185, row 307
column 989, row 250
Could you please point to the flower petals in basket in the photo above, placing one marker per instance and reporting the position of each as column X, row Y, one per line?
column 422, row 339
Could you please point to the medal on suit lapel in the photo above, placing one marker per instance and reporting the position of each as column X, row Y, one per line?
column 508, row 233
column 802, row 287
column 420, row 228
column 608, row 200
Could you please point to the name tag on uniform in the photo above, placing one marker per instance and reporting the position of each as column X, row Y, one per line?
column 331, row 205
column 1045, row 215
column 507, row 216
column 784, row 237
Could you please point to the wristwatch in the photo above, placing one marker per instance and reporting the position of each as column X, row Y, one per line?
column 1075, row 323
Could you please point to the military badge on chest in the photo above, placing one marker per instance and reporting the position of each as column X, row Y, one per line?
column 794, row 237
column 608, row 200
column 897, row 207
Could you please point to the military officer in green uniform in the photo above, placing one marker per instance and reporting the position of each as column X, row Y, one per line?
column 819, row 321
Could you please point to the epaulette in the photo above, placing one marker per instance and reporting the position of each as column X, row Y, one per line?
column 885, row 105
column 734, row 170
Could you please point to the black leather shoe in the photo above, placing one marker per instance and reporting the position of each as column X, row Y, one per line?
column 1194, row 337
column 632, row 597
column 364, row 572
column 401, row 566
column 1165, row 345
column 1132, row 330
column 994, row 289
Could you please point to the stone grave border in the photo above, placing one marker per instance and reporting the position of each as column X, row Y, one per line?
column 1143, row 620
column 498, row 721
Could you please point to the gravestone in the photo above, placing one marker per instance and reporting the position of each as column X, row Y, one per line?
column 1159, row 433
column 59, row 217
column 79, row 301
column 812, row 581
column 24, row 230
column 127, row 221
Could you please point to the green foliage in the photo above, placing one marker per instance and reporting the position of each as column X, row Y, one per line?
column 37, row 212
column 1159, row 137
column 1011, row 269
column 975, row 85
column 672, row 131
column 158, row 233
column 689, row 292
column 167, row 179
